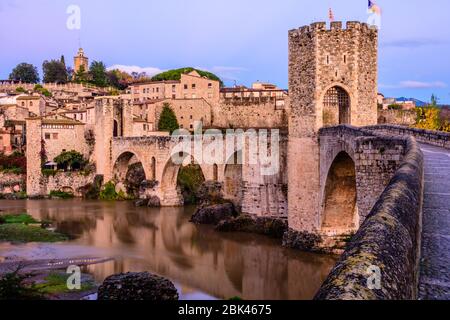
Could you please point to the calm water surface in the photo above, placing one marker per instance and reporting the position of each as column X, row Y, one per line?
column 203, row 264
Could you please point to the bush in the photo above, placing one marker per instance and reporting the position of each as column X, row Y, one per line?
column 14, row 163
column 190, row 178
column 13, row 287
column 61, row 194
column 49, row 172
column 70, row 160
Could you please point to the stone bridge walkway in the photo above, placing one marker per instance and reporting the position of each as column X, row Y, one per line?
column 435, row 260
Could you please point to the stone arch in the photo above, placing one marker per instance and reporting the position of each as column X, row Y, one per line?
column 122, row 166
column 171, row 195
column 336, row 105
column 340, row 210
column 233, row 179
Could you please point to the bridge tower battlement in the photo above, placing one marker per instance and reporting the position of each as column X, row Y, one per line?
column 332, row 81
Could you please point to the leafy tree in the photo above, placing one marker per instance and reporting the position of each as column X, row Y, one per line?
column 168, row 120
column 119, row 79
column 81, row 76
column 176, row 75
column 54, row 71
column 70, row 160
column 20, row 90
column 25, row 72
column 63, row 60
column 98, row 74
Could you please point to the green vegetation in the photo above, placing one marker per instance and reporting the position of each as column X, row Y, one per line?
column 15, row 163
column 109, row 193
column 56, row 283
column 394, row 107
column 168, row 120
column 22, row 228
column 25, row 233
column 22, row 218
column 190, row 178
column 25, row 72
column 55, row 71
column 13, row 286
column 20, row 90
column 61, row 194
column 98, row 74
column 40, row 89
column 176, row 75
column 70, row 160
column 430, row 117
column 49, row 172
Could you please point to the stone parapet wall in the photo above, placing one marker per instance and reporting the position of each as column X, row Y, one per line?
column 397, row 117
column 70, row 182
column 12, row 183
column 389, row 239
column 435, row 138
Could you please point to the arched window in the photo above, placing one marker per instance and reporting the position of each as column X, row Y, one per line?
column 336, row 107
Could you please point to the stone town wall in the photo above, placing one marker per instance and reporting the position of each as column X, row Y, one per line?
column 67, row 182
column 264, row 112
column 389, row 239
column 12, row 183
column 397, row 117
column 266, row 195
column 435, row 138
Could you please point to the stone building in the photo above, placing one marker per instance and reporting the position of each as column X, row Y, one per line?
column 332, row 80
column 80, row 60
column 190, row 86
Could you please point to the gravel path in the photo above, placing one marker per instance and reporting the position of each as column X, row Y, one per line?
column 434, row 282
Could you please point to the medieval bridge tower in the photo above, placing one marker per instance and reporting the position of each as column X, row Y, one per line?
column 332, row 81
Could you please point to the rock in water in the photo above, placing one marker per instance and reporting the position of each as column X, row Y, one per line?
column 137, row 286
column 154, row 202
column 214, row 214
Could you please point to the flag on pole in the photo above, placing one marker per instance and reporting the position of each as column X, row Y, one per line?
column 374, row 8
column 331, row 15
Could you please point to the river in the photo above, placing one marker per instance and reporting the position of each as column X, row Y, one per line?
column 203, row 263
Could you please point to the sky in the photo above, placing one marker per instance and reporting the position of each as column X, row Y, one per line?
column 240, row 40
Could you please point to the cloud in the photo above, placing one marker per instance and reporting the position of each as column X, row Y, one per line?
column 150, row 71
column 411, row 84
column 412, row 43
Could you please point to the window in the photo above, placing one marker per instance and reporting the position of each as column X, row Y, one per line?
column 173, row 88
column 55, row 136
column 191, row 117
column 209, row 85
column 174, row 96
column 23, row 103
column 328, row 59
column 345, row 58
column 47, row 136
column 193, row 86
column 185, row 87
column 191, row 126
column 157, row 89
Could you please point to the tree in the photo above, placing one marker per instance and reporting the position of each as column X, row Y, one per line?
column 119, row 79
column 81, row 75
column 54, row 71
column 168, row 120
column 70, row 160
column 434, row 100
column 98, row 74
column 25, row 72
column 176, row 75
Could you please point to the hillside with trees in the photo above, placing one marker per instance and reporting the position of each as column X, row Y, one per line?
column 175, row 74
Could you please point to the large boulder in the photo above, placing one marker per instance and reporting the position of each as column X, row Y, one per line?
column 214, row 214
column 137, row 286
column 154, row 202
column 210, row 192
column 272, row 227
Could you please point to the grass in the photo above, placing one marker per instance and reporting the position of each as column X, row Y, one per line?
column 16, row 232
column 61, row 194
column 22, row 218
column 21, row 228
column 56, row 283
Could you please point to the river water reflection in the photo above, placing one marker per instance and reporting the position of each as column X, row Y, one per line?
column 203, row 263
